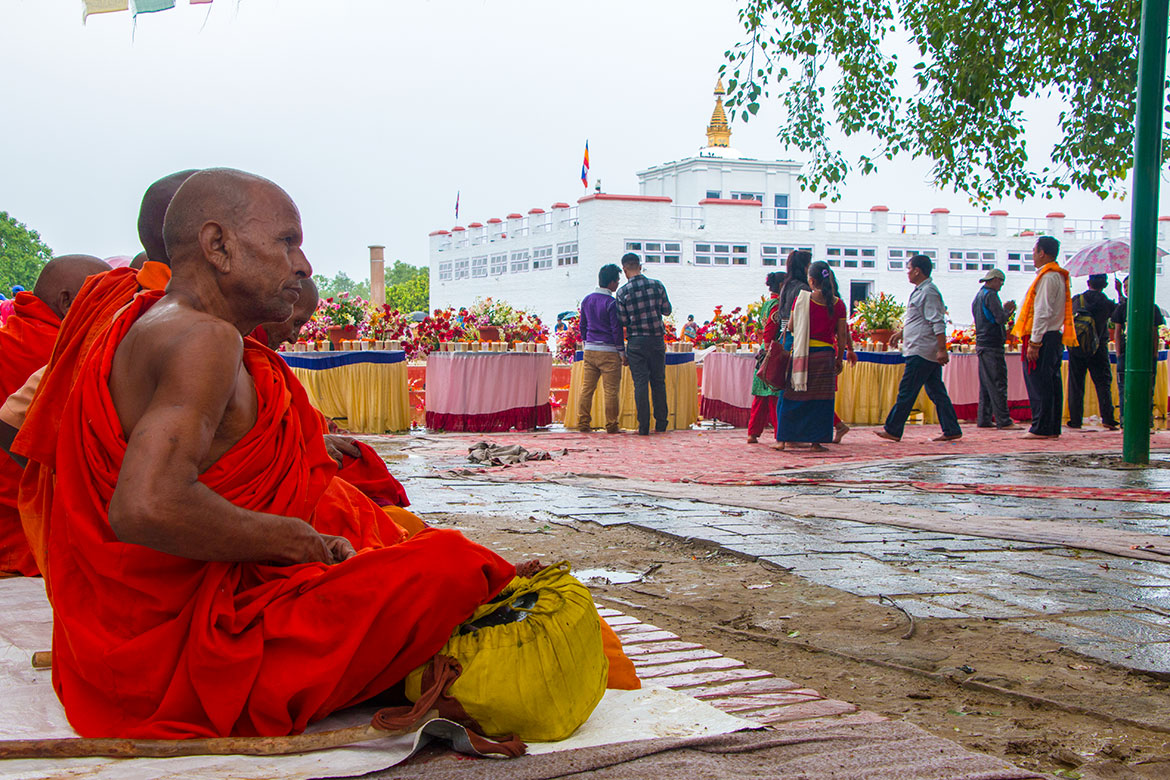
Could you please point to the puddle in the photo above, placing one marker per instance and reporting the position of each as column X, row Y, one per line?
column 605, row 576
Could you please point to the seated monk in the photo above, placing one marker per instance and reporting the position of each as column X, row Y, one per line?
column 29, row 418
column 25, row 343
column 358, row 464
column 191, row 597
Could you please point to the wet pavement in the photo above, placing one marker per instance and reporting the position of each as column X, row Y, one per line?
column 1108, row 607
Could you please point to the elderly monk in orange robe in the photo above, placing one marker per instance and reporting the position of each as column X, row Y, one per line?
column 25, row 343
column 342, row 510
column 191, row 597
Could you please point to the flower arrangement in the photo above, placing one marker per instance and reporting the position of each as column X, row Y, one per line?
column 441, row 325
column 880, row 313
column 569, row 340
column 343, row 310
column 733, row 326
column 961, row 337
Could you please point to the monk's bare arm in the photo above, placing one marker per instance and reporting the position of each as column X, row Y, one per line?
column 159, row 501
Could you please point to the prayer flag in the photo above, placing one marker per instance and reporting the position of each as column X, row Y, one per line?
column 585, row 166
column 200, row 2
column 456, row 204
column 102, row 7
column 903, row 223
column 150, row 6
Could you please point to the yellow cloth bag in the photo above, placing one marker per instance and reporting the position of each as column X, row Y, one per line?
column 533, row 661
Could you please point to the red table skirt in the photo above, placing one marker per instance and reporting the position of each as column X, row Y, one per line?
column 522, row 419
column 1020, row 411
column 713, row 409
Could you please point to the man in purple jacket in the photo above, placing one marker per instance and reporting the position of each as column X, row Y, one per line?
column 604, row 349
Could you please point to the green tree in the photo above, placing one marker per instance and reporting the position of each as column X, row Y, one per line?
column 341, row 283
column 403, row 272
column 411, row 295
column 22, row 254
column 977, row 63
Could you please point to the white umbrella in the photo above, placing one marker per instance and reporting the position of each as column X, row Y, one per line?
column 1104, row 257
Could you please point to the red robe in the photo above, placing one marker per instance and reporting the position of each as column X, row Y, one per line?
column 25, row 343
column 153, row 645
column 96, row 303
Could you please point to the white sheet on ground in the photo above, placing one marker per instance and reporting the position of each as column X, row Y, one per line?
column 29, row 710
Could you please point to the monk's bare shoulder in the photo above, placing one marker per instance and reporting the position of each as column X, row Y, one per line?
column 177, row 358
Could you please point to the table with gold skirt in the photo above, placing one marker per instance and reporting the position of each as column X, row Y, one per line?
column 368, row 389
column 682, row 394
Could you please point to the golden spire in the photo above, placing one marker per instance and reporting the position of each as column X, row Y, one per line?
column 718, row 132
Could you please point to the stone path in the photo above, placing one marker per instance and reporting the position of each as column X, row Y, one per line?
column 1103, row 606
column 664, row 659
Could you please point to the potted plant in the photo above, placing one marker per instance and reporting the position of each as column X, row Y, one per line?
column 881, row 316
column 345, row 314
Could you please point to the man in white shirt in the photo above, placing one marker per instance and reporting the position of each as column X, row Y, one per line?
column 1045, row 344
column 924, row 343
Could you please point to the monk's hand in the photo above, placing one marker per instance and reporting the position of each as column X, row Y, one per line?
column 339, row 547
column 339, row 446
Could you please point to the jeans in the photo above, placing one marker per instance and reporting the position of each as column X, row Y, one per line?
column 1099, row 370
column 647, row 358
column 993, row 384
column 1045, row 390
column 606, row 366
column 922, row 373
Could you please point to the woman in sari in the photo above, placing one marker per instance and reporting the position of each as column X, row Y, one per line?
column 763, row 394
column 820, row 341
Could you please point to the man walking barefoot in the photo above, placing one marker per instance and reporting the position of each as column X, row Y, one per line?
column 1045, row 313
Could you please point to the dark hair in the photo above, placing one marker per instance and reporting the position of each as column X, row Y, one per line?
column 774, row 281
column 1098, row 281
column 631, row 260
column 608, row 275
column 822, row 274
column 1049, row 246
column 922, row 263
column 798, row 261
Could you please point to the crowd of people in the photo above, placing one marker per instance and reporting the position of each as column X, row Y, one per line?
column 805, row 315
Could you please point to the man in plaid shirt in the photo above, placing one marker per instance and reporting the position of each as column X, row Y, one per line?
column 641, row 304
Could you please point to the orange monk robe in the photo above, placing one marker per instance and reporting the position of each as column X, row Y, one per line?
column 26, row 340
column 152, row 645
column 96, row 303
column 340, row 512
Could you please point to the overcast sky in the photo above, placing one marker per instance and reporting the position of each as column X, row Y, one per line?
column 373, row 114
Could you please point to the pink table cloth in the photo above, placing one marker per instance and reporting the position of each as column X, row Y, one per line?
column 488, row 391
column 727, row 387
column 961, row 376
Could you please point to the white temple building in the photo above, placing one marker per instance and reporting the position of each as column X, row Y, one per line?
column 711, row 226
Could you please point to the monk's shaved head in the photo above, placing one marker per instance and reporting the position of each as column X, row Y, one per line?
column 221, row 195
column 241, row 235
column 138, row 261
column 63, row 276
column 153, row 210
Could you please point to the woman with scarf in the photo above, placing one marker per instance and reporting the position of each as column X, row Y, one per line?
column 819, row 329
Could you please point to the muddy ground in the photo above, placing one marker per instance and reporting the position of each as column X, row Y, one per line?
column 988, row 687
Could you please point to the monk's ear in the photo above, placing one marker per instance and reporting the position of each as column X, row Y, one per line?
column 213, row 242
column 64, row 301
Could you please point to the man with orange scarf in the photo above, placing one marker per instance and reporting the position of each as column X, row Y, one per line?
column 26, row 340
column 1045, row 313
column 191, row 595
